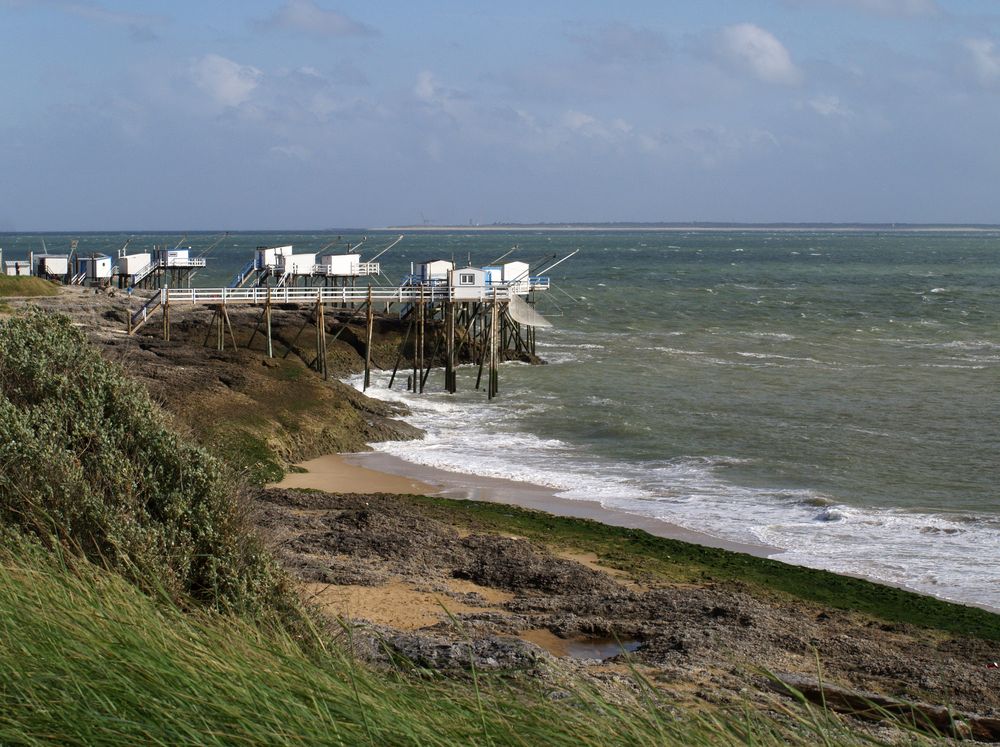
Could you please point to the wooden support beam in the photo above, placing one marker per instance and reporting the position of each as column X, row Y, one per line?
column 399, row 352
column 450, row 379
column 229, row 325
column 267, row 318
column 211, row 326
column 418, row 343
column 368, row 340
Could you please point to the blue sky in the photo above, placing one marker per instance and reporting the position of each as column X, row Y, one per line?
column 289, row 114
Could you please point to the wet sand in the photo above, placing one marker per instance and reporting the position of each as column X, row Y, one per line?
column 375, row 472
column 334, row 474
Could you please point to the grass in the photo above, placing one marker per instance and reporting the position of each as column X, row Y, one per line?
column 639, row 552
column 26, row 286
column 247, row 455
column 86, row 658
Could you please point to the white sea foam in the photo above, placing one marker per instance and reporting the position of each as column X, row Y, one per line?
column 779, row 336
column 956, row 557
column 775, row 356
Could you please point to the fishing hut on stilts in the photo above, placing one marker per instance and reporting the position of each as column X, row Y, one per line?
column 452, row 316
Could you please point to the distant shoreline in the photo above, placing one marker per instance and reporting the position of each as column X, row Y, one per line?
column 702, row 227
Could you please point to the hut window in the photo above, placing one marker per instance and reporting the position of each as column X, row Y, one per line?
column 467, row 278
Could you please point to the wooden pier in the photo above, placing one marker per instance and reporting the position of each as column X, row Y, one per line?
column 445, row 324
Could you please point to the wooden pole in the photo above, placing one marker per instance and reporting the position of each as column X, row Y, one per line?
column 229, row 324
column 418, row 361
column 211, row 326
column 267, row 317
column 449, row 371
column 166, row 319
column 399, row 353
column 494, row 345
column 481, row 349
column 368, row 340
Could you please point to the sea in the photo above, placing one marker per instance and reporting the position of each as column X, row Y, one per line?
column 831, row 394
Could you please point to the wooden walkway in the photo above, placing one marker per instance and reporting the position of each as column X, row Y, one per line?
column 443, row 320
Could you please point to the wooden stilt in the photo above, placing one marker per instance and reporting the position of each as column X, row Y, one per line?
column 399, row 352
column 482, row 359
column 229, row 325
column 491, row 388
column 430, row 362
column 267, row 322
column 368, row 340
column 450, row 384
column 418, row 342
column 211, row 326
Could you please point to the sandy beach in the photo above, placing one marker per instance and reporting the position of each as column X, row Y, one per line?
column 375, row 472
column 335, row 474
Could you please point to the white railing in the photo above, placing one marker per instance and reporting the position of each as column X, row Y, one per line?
column 184, row 262
column 363, row 268
column 142, row 272
column 286, row 295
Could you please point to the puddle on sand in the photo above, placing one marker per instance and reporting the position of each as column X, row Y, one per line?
column 582, row 647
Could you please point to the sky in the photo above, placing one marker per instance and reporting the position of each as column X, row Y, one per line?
column 312, row 114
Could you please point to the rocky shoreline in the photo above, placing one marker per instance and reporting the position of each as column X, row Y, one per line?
column 712, row 642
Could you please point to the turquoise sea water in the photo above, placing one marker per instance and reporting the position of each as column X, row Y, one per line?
column 831, row 394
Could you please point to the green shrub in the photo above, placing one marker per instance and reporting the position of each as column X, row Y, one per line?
column 87, row 461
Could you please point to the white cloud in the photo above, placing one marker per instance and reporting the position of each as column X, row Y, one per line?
column 985, row 58
column 228, row 83
column 307, row 17
column 429, row 90
column 427, row 87
column 590, row 126
column 828, row 105
column 748, row 46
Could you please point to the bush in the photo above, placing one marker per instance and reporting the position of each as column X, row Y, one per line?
column 86, row 460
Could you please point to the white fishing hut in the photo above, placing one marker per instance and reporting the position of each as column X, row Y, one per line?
column 298, row 264
column 175, row 257
column 341, row 265
column 269, row 257
column 17, row 268
column 51, row 265
column 96, row 267
column 467, row 284
column 515, row 276
column 435, row 271
column 132, row 264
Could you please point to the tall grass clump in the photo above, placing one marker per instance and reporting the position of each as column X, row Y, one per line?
column 87, row 464
column 86, row 658
column 20, row 285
